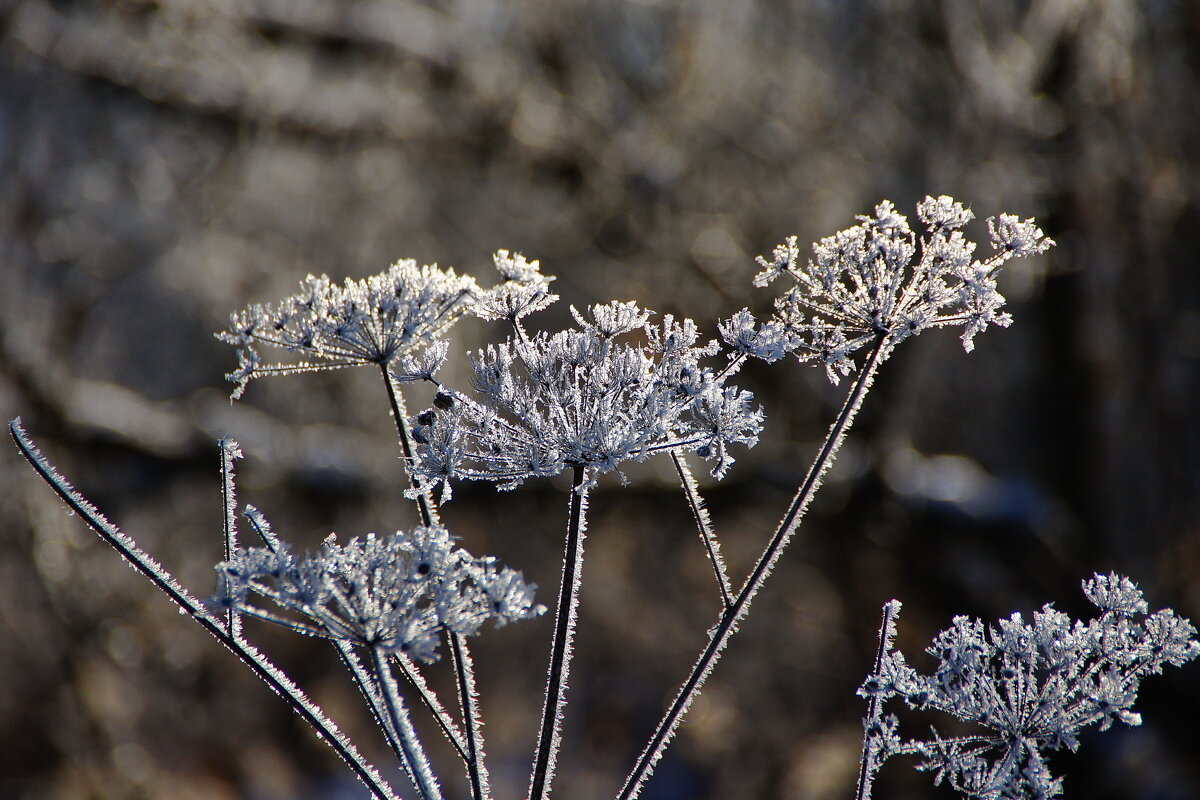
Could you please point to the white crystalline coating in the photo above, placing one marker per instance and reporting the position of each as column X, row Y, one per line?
column 581, row 398
column 369, row 321
column 1028, row 687
column 397, row 592
column 881, row 281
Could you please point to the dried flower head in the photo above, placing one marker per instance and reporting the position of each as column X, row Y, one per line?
column 397, row 592
column 1029, row 687
column 878, row 281
column 524, row 290
column 369, row 321
column 580, row 398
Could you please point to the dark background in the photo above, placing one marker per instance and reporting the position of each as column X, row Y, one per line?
column 166, row 163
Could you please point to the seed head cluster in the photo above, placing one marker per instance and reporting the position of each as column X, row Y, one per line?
column 1027, row 686
column 397, row 592
column 369, row 321
column 586, row 397
column 879, row 281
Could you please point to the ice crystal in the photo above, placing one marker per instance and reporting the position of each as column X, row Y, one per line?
column 1028, row 686
column 369, row 321
column 878, row 281
column 398, row 592
column 581, row 398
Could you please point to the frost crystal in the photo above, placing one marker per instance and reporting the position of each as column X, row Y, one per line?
column 368, row 321
column 1029, row 687
column 579, row 398
column 878, row 282
column 398, row 592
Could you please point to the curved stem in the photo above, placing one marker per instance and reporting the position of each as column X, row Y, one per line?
column 550, row 735
column 464, row 675
column 732, row 615
column 259, row 664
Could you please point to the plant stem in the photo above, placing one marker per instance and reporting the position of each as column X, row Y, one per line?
column 229, row 453
column 412, row 755
column 429, row 515
column 259, row 664
column 433, row 704
column 550, row 735
column 469, row 697
column 704, row 526
column 866, row 769
column 464, row 675
column 728, row 622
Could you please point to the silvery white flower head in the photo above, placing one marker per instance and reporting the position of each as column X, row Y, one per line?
column 878, row 281
column 369, row 321
column 524, row 290
column 581, row 398
column 397, row 592
column 1027, row 686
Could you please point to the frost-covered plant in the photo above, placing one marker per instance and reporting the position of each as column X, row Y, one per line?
column 1026, row 687
column 580, row 398
column 878, row 281
column 370, row 321
column 398, row 592
column 623, row 385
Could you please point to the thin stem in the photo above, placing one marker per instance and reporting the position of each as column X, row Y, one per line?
column 472, row 720
column 866, row 765
column 465, row 677
column 431, row 702
column 229, row 453
column 412, row 754
column 259, row 664
column 429, row 515
column 550, row 735
column 732, row 615
column 370, row 693
column 704, row 526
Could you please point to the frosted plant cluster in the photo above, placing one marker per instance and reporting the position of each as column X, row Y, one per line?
column 580, row 398
column 1027, row 687
column 624, row 384
column 398, row 592
column 879, row 281
column 367, row 321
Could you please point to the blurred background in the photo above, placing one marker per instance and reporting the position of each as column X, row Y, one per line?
column 166, row 163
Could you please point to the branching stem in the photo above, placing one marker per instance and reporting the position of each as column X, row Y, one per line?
column 733, row 614
column 259, row 664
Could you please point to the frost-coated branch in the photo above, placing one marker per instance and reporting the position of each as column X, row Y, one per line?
column 550, row 733
column 230, row 452
column 259, row 664
column 704, row 525
column 413, row 757
column 732, row 615
column 468, row 695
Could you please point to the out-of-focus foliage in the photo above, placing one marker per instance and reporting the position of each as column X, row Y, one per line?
column 165, row 162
